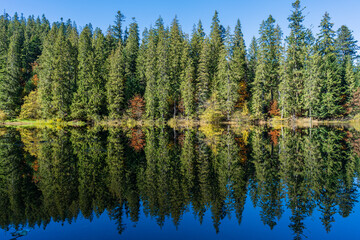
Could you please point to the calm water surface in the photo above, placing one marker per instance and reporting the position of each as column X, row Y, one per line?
column 207, row 183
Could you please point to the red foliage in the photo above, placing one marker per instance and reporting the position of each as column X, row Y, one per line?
column 274, row 109
column 137, row 106
column 274, row 136
column 137, row 141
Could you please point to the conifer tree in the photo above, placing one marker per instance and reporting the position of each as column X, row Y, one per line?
column 292, row 79
column 252, row 61
column 97, row 95
column 3, row 46
column 151, row 75
column 266, row 82
column 163, row 85
column 116, row 83
column 238, row 66
column 187, row 85
column 197, row 40
column 176, row 45
column 79, row 108
column 46, row 75
column 10, row 86
column 63, row 76
column 203, row 77
column 331, row 81
column 131, row 53
column 141, row 63
column 216, row 43
column 116, row 29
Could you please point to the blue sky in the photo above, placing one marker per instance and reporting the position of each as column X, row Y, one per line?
column 101, row 13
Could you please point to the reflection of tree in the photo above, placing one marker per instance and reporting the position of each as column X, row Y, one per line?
column 56, row 174
column 267, row 179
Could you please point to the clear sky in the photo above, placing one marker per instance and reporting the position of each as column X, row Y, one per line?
column 101, row 13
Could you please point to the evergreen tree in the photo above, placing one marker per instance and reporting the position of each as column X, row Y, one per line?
column 197, row 40
column 131, row 54
column 141, row 63
column 203, row 78
column 216, row 43
column 10, row 86
column 176, row 45
column 163, row 84
column 252, row 61
column 265, row 85
column 292, row 79
column 330, row 79
column 116, row 29
column 116, row 83
column 187, row 85
column 151, row 74
column 63, row 76
column 238, row 66
column 85, row 59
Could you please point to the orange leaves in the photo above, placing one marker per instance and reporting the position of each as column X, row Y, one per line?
column 137, row 106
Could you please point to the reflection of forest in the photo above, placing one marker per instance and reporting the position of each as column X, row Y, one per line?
column 48, row 174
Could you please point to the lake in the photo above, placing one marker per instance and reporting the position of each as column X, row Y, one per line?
column 212, row 182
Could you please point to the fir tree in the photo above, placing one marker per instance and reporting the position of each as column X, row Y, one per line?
column 131, row 54
column 116, row 83
column 10, row 86
column 187, row 85
column 197, row 40
column 203, row 78
column 238, row 66
column 292, row 83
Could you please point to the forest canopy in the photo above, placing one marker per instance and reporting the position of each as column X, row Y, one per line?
column 54, row 71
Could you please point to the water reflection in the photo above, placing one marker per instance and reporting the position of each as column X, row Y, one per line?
column 57, row 174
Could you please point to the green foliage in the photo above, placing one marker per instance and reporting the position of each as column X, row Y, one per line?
column 30, row 109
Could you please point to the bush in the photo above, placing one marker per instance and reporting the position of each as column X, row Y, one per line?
column 3, row 116
column 30, row 109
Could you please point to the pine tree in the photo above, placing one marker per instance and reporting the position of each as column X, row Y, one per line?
column 4, row 22
column 252, row 61
column 10, row 86
column 131, row 54
column 116, row 83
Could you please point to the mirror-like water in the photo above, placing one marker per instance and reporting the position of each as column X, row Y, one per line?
column 214, row 183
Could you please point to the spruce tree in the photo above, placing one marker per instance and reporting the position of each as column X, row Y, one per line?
column 63, row 76
column 116, row 83
column 131, row 53
column 10, row 86
column 116, row 29
column 176, row 45
column 238, row 66
column 216, row 43
column 79, row 108
column 197, row 40
column 151, row 75
column 265, row 85
column 292, row 79
column 187, row 85
column 163, row 85
column 203, row 78
column 330, row 79
column 141, row 63
column 252, row 61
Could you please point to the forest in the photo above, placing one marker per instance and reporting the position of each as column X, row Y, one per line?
column 55, row 71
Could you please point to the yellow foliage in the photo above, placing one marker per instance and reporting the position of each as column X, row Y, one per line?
column 3, row 116
column 30, row 109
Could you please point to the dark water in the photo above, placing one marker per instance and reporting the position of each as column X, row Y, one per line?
column 211, row 183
